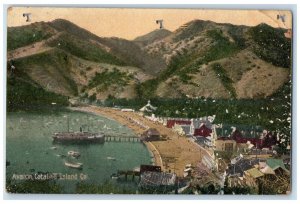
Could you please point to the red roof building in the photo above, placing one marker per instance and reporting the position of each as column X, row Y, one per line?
column 171, row 123
column 238, row 137
column 269, row 140
column 203, row 131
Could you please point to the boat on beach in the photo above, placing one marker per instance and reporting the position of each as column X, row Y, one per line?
column 74, row 165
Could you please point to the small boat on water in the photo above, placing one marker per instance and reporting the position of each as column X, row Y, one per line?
column 54, row 148
column 114, row 176
column 61, row 155
column 74, row 154
column 74, row 165
column 111, row 158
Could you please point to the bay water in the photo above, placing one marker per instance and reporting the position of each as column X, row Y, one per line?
column 30, row 148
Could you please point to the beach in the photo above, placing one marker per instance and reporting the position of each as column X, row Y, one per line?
column 172, row 154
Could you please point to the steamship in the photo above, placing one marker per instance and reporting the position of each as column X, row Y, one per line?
column 78, row 137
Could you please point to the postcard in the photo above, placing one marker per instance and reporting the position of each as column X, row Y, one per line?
column 148, row 101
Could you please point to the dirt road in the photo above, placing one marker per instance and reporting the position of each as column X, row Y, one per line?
column 32, row 49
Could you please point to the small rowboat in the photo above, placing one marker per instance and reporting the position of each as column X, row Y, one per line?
column 74, row 154
column 74, row 165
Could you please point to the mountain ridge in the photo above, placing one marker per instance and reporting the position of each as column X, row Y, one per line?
column 200, row 59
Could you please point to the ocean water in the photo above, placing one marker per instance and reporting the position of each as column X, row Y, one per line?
column 30, row 149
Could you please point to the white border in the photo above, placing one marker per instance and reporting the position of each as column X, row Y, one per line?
column 153, row 3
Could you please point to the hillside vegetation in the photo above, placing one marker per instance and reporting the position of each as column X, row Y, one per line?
column 108, row 78
column 201, row 59
column 252, row 57
column 50, row 69
column 158, row 34
column 26, row 95
column 271, row 45
column 126, row 51
column 84, row 49
column 26, row 35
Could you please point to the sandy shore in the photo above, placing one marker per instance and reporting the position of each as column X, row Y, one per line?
column 172, row 154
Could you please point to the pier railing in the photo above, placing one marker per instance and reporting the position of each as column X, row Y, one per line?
column 122, row 138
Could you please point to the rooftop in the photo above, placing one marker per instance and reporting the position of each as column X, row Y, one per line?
column 275, row 164
column 240, row 166
column 152, row 179
column 254, row 172
column 247, row 131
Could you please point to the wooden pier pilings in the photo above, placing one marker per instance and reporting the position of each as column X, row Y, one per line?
column 122, row 138
column 127, row 173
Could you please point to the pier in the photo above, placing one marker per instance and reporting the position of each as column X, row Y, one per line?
column 122, row 138
column 186, row 151
column 126, row 173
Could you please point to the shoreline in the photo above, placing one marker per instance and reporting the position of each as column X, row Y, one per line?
column 171, row 154
column 154, row 153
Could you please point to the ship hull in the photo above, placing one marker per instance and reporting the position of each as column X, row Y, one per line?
column 78, row 138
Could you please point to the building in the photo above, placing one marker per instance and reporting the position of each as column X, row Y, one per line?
column 251, row 176
column 203, row 141
column 157, row 182
column 235, row 171
column 225, row 144
column 127, row 110
column 196, row 124
column 269, row 140
column 144, row 168
column 151, row 134
column 277, row 166
column 182, row 129
column 202, row 131
column 172, row 122
column 238, row 166
column 148, row 108
column 245, row 135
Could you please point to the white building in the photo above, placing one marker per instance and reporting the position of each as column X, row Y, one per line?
column 148, row 108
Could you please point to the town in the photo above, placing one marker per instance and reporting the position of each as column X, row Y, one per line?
column 195, row 155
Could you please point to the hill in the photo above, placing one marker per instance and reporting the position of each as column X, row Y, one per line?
column 155, row 35
column 207, row 59
column 127, row 51
column 200, row 59
column 64, row 62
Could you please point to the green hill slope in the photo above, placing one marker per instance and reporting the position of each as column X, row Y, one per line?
column 26, row 35
column 200, row 59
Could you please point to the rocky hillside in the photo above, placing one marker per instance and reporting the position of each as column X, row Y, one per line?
column 206, row 59
column 67, row 59
column 151, row 37
column 200, row 59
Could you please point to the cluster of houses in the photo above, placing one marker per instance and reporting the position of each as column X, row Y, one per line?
column 220, row 137
column 254, row 140
column 233, row 138
column 252, row 172
column 153, row 180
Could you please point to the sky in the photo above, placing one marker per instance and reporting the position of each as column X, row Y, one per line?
column 131, row 23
